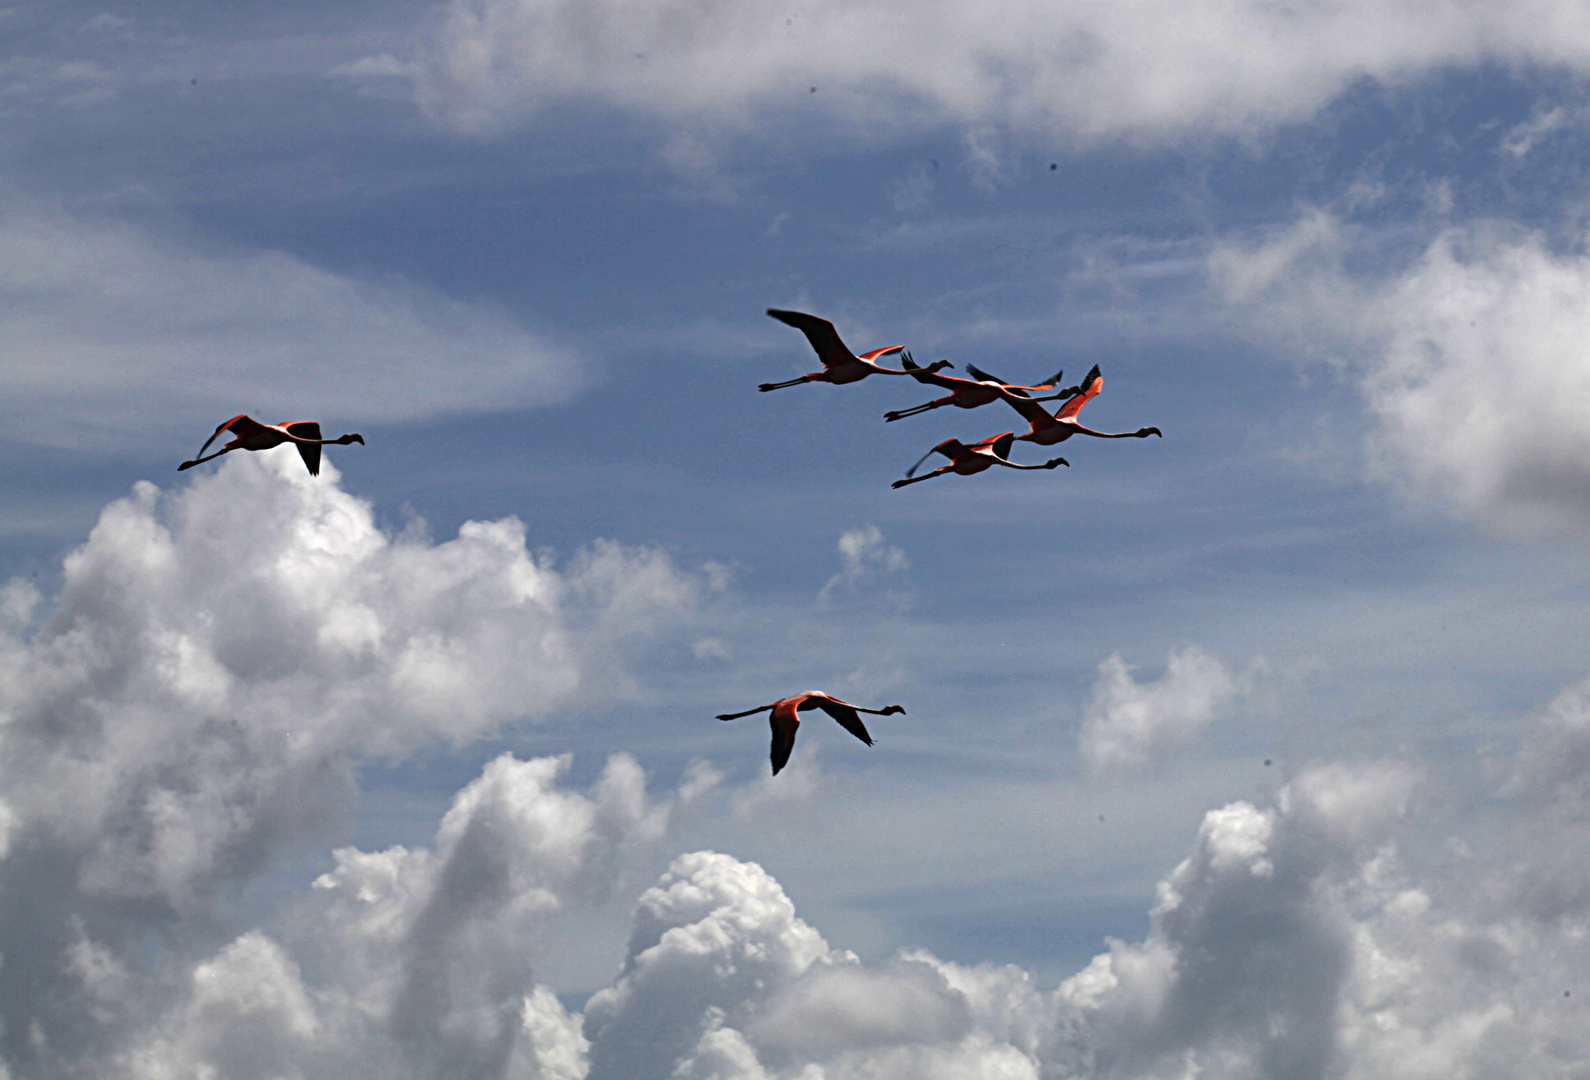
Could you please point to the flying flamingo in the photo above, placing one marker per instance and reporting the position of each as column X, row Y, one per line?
column 786, row 719
column 840, row 365
column 973, row 459
column 971, row 393
column 250, row 434
column 1048, row 430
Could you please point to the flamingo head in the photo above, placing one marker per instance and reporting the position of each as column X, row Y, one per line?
column 939, row 365
column 889, row 710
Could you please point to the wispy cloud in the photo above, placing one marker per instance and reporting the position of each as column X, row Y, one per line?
column 1153, row 70
column 99, row 318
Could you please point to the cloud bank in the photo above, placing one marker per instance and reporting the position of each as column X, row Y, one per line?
column 101, row 318
column 1148, row 70
column 194, row 700
column 218, row 657
column 1469, row 356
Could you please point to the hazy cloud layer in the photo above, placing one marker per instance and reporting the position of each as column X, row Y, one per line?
column 1470, row 356
column 1154, row 69
column 111, row 330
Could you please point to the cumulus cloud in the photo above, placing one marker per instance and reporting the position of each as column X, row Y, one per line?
column 1468, row 356
column 1158, row 68
column 194, row 698
column 1128, row 721
column 1297, row 939
column 416, row 962
column 723, row 980
column 100, row 317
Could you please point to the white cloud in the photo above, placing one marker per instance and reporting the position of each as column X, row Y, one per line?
column 865, row 562
column 1128, row 721
column 1470, row 357
column 417, row 960
column 113, row 332
column 1151, row 69
column 192, row 701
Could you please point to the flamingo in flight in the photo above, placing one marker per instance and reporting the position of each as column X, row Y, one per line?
column 840, row 365
column 1048, row 430
column 786, row 719
column 973, row 459
column 972, row 393
column 250, row 434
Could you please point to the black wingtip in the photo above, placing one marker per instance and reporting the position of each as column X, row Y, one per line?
column 186, row 465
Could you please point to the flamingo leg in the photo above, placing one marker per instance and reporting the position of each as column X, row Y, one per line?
column 202, row 460
column 747, row 712
column 1050, row 464
column 900, row 414
column 781, row 385
column 940, row 471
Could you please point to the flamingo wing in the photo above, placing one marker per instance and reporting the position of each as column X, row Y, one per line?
column 982, row 376
column 947, row 448
column 785, row 723
column 847, row 716
column 1090, row 390
column 1001, row 446
column 310, row 452
column 820, row 332
column 1030, row 411
column 240, row 422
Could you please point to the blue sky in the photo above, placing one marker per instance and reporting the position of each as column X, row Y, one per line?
column 1324, row 639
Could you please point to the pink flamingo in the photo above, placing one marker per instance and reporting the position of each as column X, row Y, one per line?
column 250, row 434
column 840, row 365
column 972, row 393
column 1048, row 430
column 786, row 719
column 973, row 459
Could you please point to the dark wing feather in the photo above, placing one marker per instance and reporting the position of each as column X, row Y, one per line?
column 982, row 376
column 784, row 728
column 310, row 452
column 1002, row 445
column 847, row 717
column 820, row 332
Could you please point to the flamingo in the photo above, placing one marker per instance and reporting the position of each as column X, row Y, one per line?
column 971, row 393
column 786, row 719
column 1048, row 430
column 840, row 365
column 973, row 459
column 250, row 434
